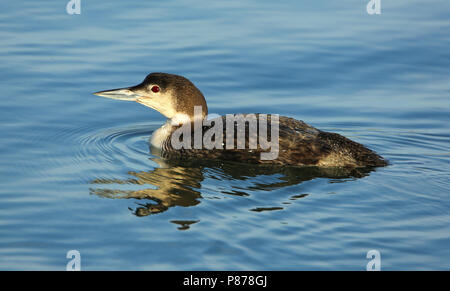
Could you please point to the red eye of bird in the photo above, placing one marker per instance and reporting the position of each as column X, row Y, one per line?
column 155, row 89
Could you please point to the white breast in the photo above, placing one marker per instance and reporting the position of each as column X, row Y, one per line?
column 161, row 134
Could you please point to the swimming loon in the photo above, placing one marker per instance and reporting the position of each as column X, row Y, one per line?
column 299, row 144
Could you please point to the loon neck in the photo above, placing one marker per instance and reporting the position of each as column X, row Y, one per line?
column 164, row 132
column 160, row 135
column 182, row 118
column 179, row 119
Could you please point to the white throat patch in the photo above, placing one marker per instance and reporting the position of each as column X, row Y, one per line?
column 161, row 134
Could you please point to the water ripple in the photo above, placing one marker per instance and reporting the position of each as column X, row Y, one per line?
column 119, row 144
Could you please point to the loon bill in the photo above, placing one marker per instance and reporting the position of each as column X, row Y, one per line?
column 298, row 144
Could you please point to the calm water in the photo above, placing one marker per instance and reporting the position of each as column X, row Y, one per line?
column 76, row 171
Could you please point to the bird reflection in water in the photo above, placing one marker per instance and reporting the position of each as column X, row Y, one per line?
column 170, row 186
column 179, row 183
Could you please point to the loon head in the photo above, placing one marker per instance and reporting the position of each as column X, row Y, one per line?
column 172, row 95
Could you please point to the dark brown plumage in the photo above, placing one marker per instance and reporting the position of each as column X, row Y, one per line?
column 299, row 145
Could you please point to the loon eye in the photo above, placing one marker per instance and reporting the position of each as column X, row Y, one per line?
column 155, row 89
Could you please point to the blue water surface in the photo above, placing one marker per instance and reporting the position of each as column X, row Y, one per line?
column 76, row 172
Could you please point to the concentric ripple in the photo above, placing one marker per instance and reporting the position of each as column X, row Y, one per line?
column 122, row 148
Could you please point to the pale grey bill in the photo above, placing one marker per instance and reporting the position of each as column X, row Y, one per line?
column 119, row 94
